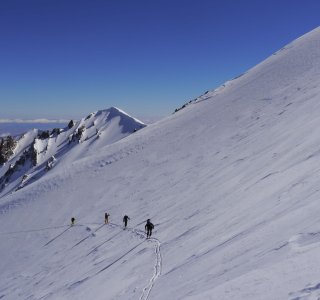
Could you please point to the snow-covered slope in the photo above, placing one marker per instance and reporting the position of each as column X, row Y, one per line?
column 231, row 183
column 36, row 152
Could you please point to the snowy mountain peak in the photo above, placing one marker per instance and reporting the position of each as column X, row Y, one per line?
column 128, row 122
column 231, row 184
column 37, row 151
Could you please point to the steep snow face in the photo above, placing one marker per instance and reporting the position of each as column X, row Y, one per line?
column 231, row 183
column 38, row 151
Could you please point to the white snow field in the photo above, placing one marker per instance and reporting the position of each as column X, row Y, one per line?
column 231, row 182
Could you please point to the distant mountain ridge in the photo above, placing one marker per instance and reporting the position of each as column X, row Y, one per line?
column 28, row 157
column 231, row 183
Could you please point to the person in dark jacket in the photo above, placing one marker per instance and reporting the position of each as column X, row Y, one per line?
column 149, row 226
column 106, row 218
column 72, row 221
column 125, row 220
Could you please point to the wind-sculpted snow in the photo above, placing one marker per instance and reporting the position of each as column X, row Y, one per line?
column 231, row 183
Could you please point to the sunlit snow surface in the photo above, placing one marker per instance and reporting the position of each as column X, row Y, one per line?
column 231, row 183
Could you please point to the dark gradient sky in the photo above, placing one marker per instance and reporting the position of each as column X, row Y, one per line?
column 65, row 58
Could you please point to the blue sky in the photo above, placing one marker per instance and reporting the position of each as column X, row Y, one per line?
column 66, row 58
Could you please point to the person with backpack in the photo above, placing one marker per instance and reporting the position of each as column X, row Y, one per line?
column 125, row 220
column 149, row 226
column 106, row 218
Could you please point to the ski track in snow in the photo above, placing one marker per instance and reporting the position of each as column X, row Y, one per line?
column 157, row 271
column 158, row 265
column 157, row 244
column 238, row 169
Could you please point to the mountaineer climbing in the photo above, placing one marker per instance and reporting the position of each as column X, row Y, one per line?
column 149, row 226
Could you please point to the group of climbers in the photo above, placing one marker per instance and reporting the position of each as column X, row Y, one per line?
column 148, row 227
